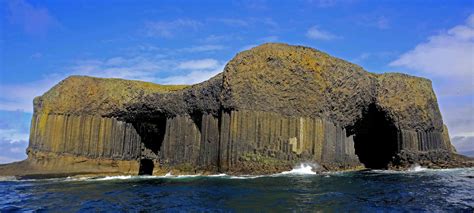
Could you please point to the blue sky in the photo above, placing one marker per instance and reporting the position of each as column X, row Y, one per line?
column 183, row 42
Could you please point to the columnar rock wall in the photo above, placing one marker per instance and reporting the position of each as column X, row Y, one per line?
column 206, row 143
column 282, row 139
column 231, row 142
column 90, row 136
column 182, row 142
column 421, row 141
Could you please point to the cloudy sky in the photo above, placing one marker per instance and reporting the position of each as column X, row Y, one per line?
column 184, row 42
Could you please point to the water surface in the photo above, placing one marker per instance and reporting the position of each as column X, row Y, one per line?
column 300, row 190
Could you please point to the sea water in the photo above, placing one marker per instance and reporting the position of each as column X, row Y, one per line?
column 301, row 189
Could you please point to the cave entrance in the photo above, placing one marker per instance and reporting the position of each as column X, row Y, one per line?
column 152, row 133
column 146, row 167
column 375, row 139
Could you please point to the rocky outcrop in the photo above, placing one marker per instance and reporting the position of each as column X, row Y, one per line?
column 273, row 106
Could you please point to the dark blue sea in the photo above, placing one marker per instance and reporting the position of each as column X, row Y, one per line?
column 416, row 190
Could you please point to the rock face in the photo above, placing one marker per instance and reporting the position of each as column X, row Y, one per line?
column 274, row 106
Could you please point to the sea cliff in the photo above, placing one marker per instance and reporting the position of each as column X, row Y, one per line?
column 272, row 107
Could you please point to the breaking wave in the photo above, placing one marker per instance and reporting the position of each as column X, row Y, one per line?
column 302, row 169
column 416, row 168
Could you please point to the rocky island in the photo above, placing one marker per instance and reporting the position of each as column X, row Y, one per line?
column 272, row 107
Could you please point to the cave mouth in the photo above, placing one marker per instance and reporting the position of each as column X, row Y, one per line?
column 146, row 167
column 375, row 138
column 152, row 133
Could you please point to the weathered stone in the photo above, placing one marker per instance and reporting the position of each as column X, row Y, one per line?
column 273, row 106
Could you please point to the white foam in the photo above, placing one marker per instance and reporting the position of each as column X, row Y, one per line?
column 416, row 168
column 77, row 178
column 118, row 177
column 8, row 178
column 247, row 176
column 302, row 169
column 188, row 176
column 122, row 177
column 218, row 175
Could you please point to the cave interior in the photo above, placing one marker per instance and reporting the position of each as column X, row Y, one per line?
column 146, row 167
column 152, row 133
column 375, row 138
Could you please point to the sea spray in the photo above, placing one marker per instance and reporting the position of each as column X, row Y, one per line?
column 8, row 178
column 303, row 169
column 416, row 168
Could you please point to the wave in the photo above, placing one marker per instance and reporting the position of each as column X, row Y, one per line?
column 120, row 177
column 302, row 169
column 8, row 178
column 218, row 175
column 416, row 168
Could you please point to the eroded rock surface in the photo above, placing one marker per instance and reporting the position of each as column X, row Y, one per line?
column 272, row 107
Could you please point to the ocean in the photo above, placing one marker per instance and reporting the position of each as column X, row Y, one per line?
column 299, row 190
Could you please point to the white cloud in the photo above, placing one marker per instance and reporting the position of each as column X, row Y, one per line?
column 198, row 64
column 463, row 143
column 460, row 119
column 160, row 52
column 13, row 144
column 146, row 68
column 450, row 53
column 371, row 56
column 264, row 40
column 317, row 34
column 167, row 29
column 4, row 159
column 193, row 77
column 16, row 150
column 134, row 68
column 247, row 47
column 13, row 136
column 448, row 59
column 20, row 96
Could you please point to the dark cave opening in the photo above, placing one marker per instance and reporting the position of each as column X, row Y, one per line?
column 152, row 133
column 146, row 167
column 375, row 138
column 196, row 116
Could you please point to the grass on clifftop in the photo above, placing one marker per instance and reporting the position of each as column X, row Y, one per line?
column 83, row 94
